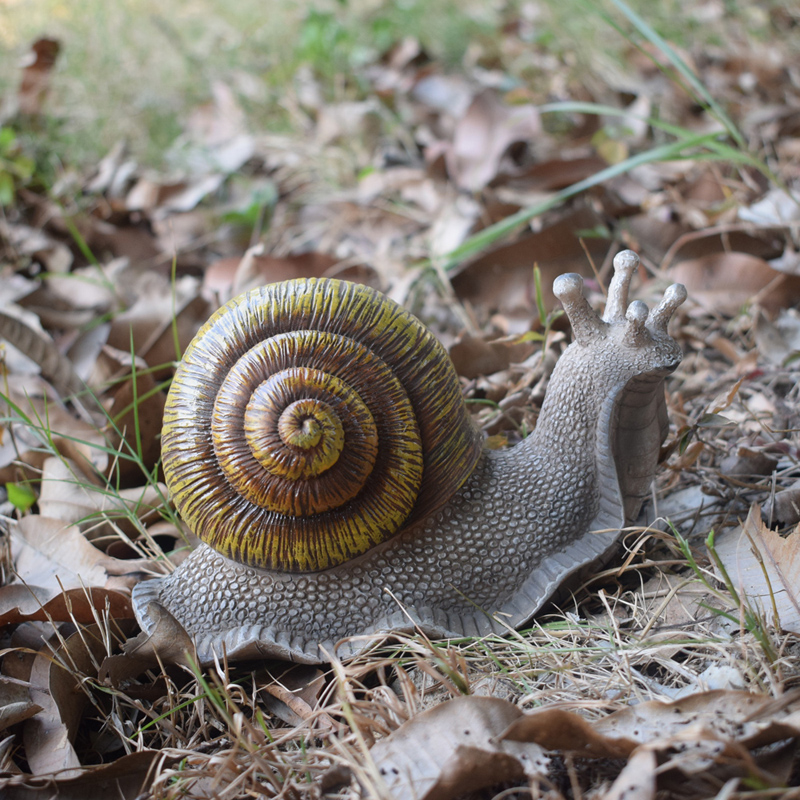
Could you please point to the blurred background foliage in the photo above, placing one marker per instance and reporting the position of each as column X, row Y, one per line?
column 134, row 69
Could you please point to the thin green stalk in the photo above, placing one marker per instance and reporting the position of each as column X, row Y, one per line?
column 81, row 243
column 684, row 70
column 173, row 281
column 488, row 236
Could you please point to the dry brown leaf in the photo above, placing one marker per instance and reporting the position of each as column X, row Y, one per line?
column 215, row 145
column 748, row 462
column 703, row 735
column 16, row 704
column 725, row 282
column 56, row 687
column 776, row 207
column 450, row 94
column 725, row 347
column 412, row 184
column 680, row 603
column 454, row 220
column 482, row 137
column 72, row 497
column 168, row 643
column 549, row 176
column 293, row 696
column 154, row 197
column 53, row 555
column 83, row 288
column 778, row 341
column 360, row 233
column 219, row 121
column 764, row 567
column 55, row 366
column 393, row 72
column 725, row 714
column 230, row 276
column 721, row 716
column 49, row 553
column 473, row 356
column 112, row 171
column 557, row 729
column 160, row 310
column 51, row 427
column 128, row 778
column 353, row 121
column 785, row 506
column 22, row 603
column 33, row 244
column 50, row 557
column 453, row 748
column 502, row 279
column 703, row 187
column 64, row 491
column 637, row 781
column 35, row 82
column 135, row 408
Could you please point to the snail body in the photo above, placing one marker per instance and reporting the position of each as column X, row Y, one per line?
column 460, row 541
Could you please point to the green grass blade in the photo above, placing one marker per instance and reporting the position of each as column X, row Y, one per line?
column 683, row 69
column 488, row 236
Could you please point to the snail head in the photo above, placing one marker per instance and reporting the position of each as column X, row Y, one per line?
column 641, row 336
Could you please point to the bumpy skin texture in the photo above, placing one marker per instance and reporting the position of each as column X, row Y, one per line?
column 524, row 521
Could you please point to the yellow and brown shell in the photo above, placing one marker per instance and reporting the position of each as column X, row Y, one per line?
column 311, row 420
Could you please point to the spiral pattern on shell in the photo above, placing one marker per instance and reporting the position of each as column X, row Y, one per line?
column 311, row 420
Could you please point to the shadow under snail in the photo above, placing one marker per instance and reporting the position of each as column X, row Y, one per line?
column 316, row 440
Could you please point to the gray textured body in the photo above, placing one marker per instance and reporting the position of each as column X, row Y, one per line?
column 447, row 575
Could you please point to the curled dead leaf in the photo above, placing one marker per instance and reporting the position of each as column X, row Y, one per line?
column 720, row 715
column 56, row 368
column 453, row 748
column 128, row 778
column 725, row 282
column 557, row 729
column 72, row 496
column 23, row 603
column 765, row 568
column 56, row 556
column 482, row 137
column 62, row 576
column 56, row 686
column 16, row 704
column 35, row 82
column 168, row 643
column 293, row 695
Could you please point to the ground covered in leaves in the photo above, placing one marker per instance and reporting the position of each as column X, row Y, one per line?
column 461, row 186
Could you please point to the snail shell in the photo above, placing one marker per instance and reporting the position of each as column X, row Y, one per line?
column 308, row 421
column 490, row 536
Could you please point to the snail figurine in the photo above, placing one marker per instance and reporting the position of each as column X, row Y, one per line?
column 316, row 440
